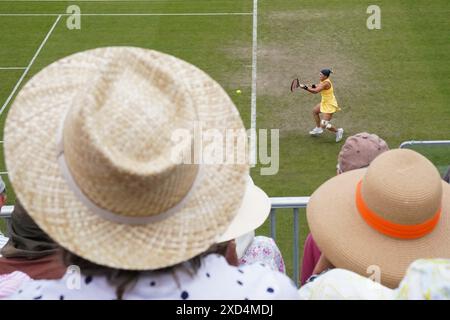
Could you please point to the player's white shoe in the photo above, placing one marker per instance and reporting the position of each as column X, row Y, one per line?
column 339, row 134
column 316, row 131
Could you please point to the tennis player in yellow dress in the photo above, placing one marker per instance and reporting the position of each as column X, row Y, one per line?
column 327, row 107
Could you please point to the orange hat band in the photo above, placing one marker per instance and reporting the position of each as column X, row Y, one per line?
column 388, row 228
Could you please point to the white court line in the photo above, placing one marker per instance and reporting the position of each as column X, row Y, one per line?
column 93, row 0
column 253, row 98
column 29, row 65
column 193, row 14
column 13, row 68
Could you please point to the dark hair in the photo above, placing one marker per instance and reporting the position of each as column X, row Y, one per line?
column 326, row 72
column 26, row 239
column 126, row 279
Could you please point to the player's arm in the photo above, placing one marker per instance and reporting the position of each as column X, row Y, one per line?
column 316, row 88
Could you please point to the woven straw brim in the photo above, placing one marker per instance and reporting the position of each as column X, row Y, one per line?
column 350, row 243
column 31, row 158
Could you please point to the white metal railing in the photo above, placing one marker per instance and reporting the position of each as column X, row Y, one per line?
column 425, row 143
column 294, row 203
column 6, row 212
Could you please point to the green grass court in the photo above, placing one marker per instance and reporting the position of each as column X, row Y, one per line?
column 393, row 82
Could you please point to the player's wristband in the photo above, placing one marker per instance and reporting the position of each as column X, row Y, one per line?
column 313, row 86
column 305, row 87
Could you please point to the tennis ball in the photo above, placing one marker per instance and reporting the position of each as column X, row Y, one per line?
column 238, row 91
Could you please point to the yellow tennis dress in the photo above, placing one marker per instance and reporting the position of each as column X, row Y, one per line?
column 328, row 103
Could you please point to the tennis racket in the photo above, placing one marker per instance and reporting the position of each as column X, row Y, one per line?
column 295, row 84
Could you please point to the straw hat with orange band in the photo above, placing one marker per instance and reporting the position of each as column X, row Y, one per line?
column 386, row 216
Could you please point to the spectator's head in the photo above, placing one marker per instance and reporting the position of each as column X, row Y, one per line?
column 2, row 193
column 382, row 218
column 26, row 239
column 359, row 150
column 100, row 176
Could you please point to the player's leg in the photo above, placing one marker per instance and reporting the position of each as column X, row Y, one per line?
column 316, row 114
column 326, row 123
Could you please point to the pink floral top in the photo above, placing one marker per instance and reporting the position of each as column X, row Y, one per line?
column 264, row 250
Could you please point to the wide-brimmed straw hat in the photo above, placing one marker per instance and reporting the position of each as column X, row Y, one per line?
column 377, row 221
column 251, row 215
column 88, row 146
